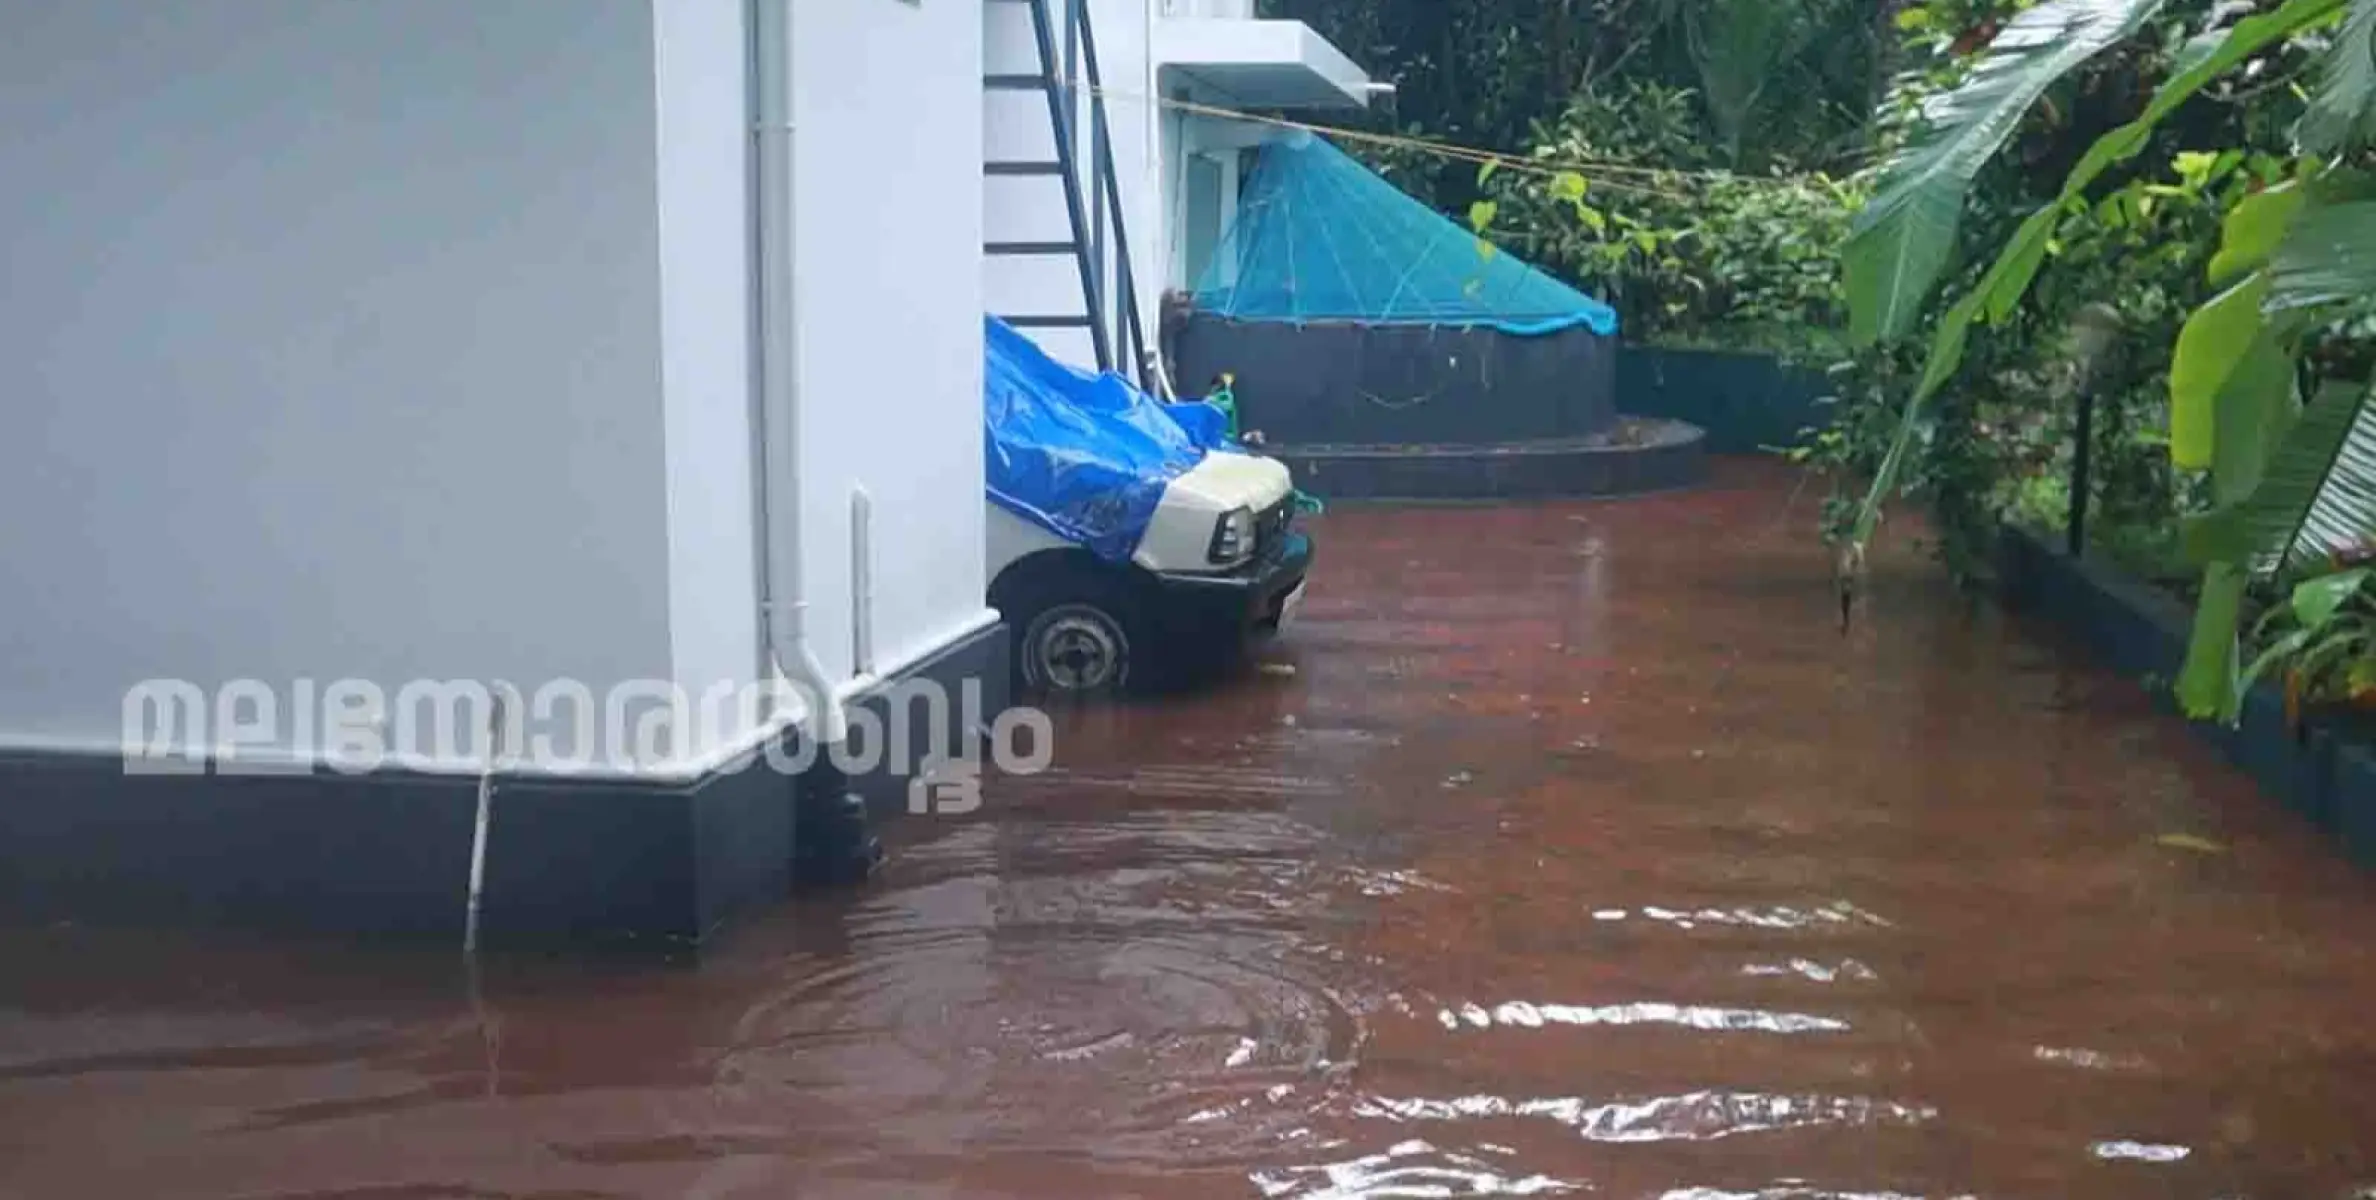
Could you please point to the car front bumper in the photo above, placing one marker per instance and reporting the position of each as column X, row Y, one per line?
column 1252, row 599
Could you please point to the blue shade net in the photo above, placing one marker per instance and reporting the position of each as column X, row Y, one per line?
column 1083, row 456
column 1320, row 237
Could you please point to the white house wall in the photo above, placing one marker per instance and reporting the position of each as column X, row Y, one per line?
column 330, row 348
column 410, row 340
column 889, row 296
column 706, row 314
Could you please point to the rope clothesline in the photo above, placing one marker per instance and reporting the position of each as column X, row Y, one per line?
column 1595, row 171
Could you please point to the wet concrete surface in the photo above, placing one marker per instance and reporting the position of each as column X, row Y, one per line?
column 1578, row 853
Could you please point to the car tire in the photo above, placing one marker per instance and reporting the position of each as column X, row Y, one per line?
column 1077, row 634
column 1075, row 650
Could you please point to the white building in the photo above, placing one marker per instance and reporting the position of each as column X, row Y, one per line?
column 1169, row 68
column 357, row 346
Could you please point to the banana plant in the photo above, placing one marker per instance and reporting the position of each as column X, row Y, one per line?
column 1902, row 239
column 2288, row 262
column 2294, row 484
column 1900, row 245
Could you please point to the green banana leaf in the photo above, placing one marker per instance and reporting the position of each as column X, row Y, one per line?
column 2251, row 231
column 1901, row 241
column 2257, row 406
column 2316, row 495
column 2329, row 258
column 2211, row 346
column 2341, row 510
column 2342, row 115
column 2316, row 600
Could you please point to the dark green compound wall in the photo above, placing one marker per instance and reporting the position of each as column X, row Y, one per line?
column 1746, row 402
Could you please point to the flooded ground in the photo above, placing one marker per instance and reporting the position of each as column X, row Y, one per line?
column 1579, row 853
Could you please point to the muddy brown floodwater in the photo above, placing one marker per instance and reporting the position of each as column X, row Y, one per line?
column 1579, row 853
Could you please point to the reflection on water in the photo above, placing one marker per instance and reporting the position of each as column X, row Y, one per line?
column 2139, row 1152
column 2092, row 1060
column 1615, row 873
column 1787, row 1192
column 1847, row 969
column 1699, row 1116
column 1690, row 1016
column 1412, row 1168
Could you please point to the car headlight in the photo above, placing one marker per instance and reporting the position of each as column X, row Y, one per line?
column 1233, row 536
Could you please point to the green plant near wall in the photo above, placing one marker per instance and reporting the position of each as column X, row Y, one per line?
column 2321, row 642
column 2000, row 443
column 2297, row 263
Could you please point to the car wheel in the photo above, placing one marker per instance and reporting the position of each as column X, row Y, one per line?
column 1075, row 649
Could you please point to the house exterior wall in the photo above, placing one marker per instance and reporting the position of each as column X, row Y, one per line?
column 330, row 341
column 411, row 340
column 1016, row 127
column 700, row 96
column 889, row 302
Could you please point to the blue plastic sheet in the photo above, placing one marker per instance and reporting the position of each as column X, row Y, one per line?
column 1083, row 456
column 1320, row 237
column 1205, row 424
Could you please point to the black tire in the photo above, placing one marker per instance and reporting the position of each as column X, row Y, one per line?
column 1078, row 633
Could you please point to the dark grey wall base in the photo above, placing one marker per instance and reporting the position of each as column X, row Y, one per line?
column 987, row 661
column 2324, row 770
column 1747, row 402
column 1345, row 382
column 387, row 854
column 1673, row 457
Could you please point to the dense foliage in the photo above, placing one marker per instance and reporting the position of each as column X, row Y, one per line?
column 1689, row 252
column 1695, row 156
column 1768, row 81
column 2246, row 282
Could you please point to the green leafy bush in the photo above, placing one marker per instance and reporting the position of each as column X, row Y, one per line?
column 1689, row 253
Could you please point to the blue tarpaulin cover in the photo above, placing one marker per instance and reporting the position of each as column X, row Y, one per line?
column 1083, row 456
column 1320, row 237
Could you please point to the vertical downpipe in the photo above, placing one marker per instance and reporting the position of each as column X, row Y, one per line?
column 831, row 842
column 478, row 836
column 1151, row 108
column 755, row 243
column 780, row 409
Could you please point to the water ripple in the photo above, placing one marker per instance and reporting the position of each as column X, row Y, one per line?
column 1521, row 1014
column 2150, row 1152
column 1692, row 1116
column 1412, row 1168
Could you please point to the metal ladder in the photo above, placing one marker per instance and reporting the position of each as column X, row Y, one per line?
column 1093, row 207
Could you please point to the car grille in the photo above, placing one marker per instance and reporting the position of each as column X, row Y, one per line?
column 1270, row 527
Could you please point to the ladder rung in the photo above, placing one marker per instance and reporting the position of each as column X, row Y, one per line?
column 1020, row 249
column 1047, row 322
column 1023, row 168
column 1015, row 83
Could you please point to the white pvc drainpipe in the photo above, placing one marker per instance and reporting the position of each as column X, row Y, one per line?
column 785, row 606
column 861, row 583
column 496, row 731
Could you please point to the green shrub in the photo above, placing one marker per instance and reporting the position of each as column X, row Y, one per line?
column 1689, row 253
